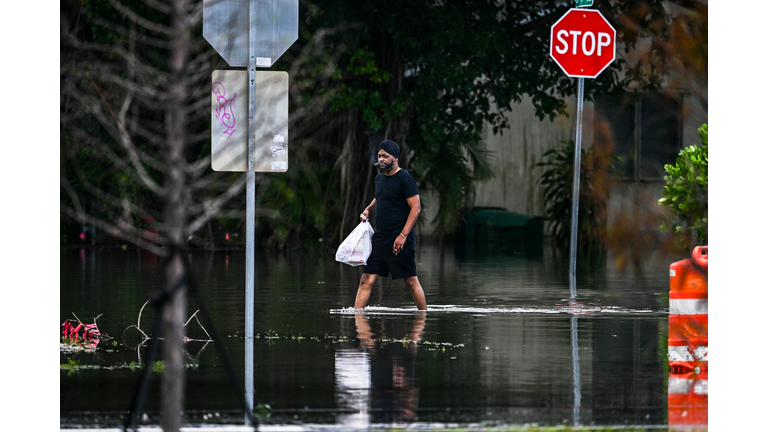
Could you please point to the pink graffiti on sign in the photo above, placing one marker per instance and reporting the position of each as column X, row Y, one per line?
column 224, row 113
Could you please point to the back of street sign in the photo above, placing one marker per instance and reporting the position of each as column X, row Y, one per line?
column 229, row 121
column 226, row 25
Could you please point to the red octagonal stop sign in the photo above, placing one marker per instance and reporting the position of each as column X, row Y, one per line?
column 583, row 43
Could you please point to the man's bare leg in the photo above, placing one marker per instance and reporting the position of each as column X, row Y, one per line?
column 364, row 290
column 417, row 292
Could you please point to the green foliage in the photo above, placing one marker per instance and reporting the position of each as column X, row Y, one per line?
column 433, row 76
column 263, row 411
column 430, row 75
column 298, row 206
column 564, row 428
column 686, row 191
column 71, row 364
column 452, row 170
column 369, row 98
column 557, row 184
column 157, row 367
column 72, row 367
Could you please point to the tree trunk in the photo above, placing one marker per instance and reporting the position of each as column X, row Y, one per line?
column 173, row 380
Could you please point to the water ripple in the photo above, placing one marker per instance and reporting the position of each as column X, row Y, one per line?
column 446, row 309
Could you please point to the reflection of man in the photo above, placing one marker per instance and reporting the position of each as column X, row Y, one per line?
column 393, row 372
column 397, row 205
column 353, row 387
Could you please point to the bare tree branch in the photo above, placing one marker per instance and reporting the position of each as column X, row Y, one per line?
column 134, row 237
column 212, row 206
column 149, row 25
column 118, row 161
column 71, row 192
column 138, row 37
column 131, row 149
column 160, row 7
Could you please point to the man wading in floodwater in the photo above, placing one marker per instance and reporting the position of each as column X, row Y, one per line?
column 397, row 205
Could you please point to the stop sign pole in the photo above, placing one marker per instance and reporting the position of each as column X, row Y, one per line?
column 583, row 44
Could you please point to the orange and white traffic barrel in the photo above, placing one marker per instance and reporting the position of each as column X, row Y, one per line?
column 688, row 345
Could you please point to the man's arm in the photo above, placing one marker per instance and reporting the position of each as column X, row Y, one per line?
column 367, row 210
column 414, row 203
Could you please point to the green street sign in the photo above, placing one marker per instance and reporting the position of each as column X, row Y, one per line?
column 584, row 3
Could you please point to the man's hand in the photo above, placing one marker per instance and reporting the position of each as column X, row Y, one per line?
column 398, row 246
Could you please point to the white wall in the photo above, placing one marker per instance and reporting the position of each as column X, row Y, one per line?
column 516, row 153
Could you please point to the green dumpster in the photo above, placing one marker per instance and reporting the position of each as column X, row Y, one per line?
column 499, row 228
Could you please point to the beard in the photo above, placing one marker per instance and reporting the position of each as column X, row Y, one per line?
column 386, row 168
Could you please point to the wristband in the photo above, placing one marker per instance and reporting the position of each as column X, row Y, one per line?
column 403, row 236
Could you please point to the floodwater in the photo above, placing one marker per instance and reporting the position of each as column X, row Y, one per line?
column 501, row 345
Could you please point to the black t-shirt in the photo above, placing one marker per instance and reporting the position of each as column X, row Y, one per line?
column 392, row 209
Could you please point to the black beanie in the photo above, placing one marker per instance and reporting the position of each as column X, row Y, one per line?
column 390, row 147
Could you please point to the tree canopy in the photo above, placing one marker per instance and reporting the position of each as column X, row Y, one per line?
column 433, row 76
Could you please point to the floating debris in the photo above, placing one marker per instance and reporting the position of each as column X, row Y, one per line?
column 84, row 337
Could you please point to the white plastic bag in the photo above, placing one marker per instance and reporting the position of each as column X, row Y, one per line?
column 356, row 248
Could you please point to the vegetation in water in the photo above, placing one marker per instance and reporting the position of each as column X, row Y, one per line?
column 71, row 366
column 157, row 367
column 558, row 429
column 74, row 366
column 262, row 411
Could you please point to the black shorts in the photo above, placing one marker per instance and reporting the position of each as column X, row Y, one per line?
column 383, row 260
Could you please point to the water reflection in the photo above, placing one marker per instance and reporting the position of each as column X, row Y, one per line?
column 576, row 370
column 688, row 385
column 501, row 347
column 688, row 399
column 353, row 387
column 376, row 382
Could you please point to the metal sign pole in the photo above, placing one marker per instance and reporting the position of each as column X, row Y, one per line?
column 273, row 26
column 250, row 212
column 576, row 175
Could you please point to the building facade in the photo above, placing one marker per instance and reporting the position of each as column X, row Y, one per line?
column 646, row 132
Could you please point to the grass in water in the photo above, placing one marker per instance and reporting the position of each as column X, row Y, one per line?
column 558, row 429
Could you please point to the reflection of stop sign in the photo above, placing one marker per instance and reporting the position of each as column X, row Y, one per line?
column 582, row 43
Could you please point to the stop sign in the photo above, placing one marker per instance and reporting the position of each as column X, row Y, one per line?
column 583, row 43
